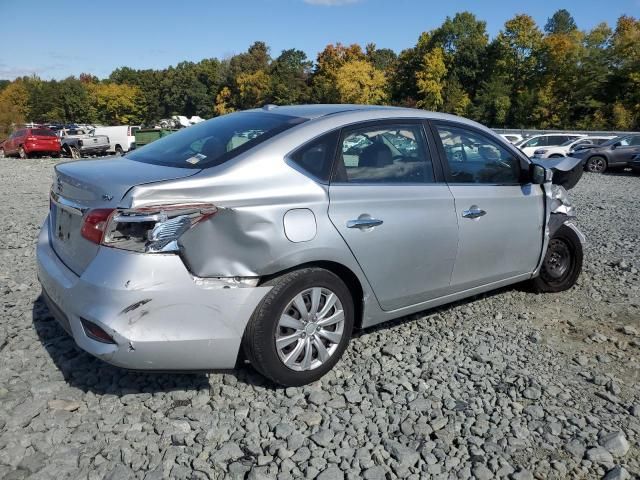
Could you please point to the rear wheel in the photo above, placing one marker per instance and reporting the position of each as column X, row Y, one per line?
column 119, row 151
column 562, row 263
column 301, row 328
column 596, row 164
column 22, row 153
column 74, row 152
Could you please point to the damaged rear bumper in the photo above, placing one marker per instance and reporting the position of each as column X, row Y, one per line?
column 160, row 317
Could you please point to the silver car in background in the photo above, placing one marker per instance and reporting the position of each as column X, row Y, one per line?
column 272, row 234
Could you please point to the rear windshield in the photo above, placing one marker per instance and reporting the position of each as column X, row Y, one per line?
column 43, row 132
column 215, row 141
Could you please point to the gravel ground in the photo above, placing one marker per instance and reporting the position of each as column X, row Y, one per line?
column 507, row 385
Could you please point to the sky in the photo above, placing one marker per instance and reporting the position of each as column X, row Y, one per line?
column 55, row 39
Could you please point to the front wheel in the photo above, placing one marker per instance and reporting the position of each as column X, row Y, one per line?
column 596, row 164
column 301, row 328
column 562, row 263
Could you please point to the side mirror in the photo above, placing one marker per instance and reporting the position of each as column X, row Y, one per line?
column 539, row 174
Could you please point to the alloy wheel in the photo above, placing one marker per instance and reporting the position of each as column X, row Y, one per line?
column 310, row 329
column 596, row 165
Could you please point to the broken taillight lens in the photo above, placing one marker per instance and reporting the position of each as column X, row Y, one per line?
column 154, row 229
column 94, row 224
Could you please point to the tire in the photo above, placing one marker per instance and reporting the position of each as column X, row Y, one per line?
column 119, row 152
column 562, row 263
column 596, row 164
column 635, row 170
column 2, row 154
column 74, row 152
column 556, row 155
column 296, row 335
column 22, row 153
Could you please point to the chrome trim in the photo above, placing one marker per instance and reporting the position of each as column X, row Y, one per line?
column 68, row 205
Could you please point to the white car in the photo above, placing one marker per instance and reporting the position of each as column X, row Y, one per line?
column 569, row 146
column 122, row 138
column 536, row 142
column 512, row 137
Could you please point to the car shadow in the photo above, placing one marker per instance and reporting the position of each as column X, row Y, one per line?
column 85, row 372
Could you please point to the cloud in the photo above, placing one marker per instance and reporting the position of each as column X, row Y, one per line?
column 11, row 73
column 331, row 3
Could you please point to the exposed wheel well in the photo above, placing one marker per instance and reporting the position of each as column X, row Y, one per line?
column 345, row 274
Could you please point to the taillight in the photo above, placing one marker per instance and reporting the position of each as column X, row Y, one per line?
column 128, row 131
column 31, row 139
column 95, row 223
column 150, row 229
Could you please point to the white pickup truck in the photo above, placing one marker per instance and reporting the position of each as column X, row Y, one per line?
column 77, row 143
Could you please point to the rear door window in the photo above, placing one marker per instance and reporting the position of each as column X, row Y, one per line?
column 215, row 141
column 316, row 158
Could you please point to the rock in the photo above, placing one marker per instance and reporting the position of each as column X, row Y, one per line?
column 227, row 451
column 323, row 437
column 522, row 474
column 481, row 472
column 600, row 456
column 629, row 330
column 616, row 443
column 575, row 448
column 375, row 473
column 617, row 473
column 405, row 456
column 332, row 472
column 67, row 405
column 532, row 393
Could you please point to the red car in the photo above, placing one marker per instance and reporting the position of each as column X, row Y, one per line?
column 31, row 141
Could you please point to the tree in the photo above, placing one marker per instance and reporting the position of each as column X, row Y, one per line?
column 116, row 104
column 381, row 58
column 430, row 80
column 253, row 89
column 329, row 61
column 223, row 102
column 464, row 40
column 290, row 74
column 561, row 22
column 14, row 100
column 357, row 81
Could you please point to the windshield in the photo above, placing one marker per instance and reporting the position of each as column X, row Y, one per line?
column 612, row 141
column 43, row 132
column 215, row 141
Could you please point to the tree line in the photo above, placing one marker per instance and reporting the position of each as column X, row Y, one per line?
column 526, row 77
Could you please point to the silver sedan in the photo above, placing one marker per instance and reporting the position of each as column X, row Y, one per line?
column 270, row 235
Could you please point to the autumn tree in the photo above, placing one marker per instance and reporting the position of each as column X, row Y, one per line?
column 430, row 80
column 116, row 104
column 14, row 100
column 329, row 61
column 358, row 81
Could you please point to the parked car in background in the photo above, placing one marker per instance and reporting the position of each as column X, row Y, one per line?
column 512, row 137
column 618, row 152
column 77, row 143
column 530, row 145
column 570, row 145
column 27, row 142
column 183, row 254
column 122, row 138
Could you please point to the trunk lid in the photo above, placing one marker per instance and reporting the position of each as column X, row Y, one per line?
column 84, row 185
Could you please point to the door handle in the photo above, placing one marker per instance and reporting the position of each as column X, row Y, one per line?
column 363, row 223
column 473, row 212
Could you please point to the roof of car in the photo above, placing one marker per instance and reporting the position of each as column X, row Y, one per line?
column 319, row 110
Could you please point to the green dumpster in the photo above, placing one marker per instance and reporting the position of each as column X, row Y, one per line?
column 148, row 135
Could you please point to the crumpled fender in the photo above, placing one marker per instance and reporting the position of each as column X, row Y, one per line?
column 559, row 211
